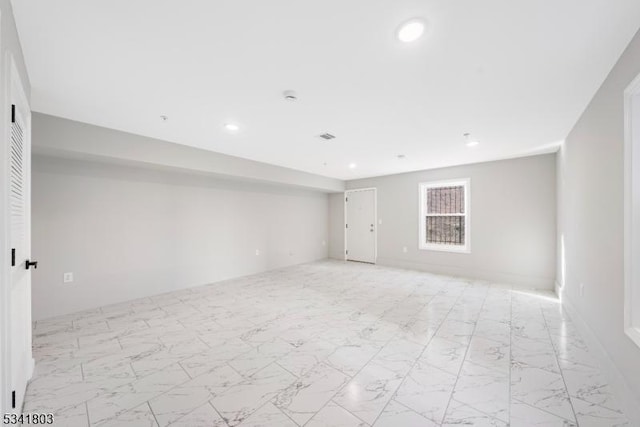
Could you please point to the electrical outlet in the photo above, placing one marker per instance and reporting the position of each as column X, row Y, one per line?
column 257, row 252
column 581, row 289
column 67, row 277
column 404, row 249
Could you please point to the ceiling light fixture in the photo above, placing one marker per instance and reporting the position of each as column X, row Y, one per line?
column 231, row 127
column 352, row 166
column 411, row 30
column 469, row 141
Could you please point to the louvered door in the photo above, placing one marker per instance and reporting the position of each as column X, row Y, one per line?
column 17, row 189
column 19, row 206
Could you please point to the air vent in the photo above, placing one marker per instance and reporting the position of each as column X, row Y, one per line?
column 327, row 136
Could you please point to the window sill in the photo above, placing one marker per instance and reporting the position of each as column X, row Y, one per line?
column 446, row 248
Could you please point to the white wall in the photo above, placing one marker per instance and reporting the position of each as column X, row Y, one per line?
column 127, row 232
column 9, row 48
column 590, row 220
column 513, row 221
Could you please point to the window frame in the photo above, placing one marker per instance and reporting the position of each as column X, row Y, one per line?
column 422, row 214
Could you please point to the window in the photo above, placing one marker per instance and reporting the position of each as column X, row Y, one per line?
column 444, row 216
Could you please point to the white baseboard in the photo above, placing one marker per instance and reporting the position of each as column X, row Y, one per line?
column 516, row 280
column 611, row 373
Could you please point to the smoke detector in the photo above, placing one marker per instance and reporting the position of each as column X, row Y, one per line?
column 290, row 95
column 327, row 136
column 469, row 141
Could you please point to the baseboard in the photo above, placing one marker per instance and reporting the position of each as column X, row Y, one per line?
column 515, row 280
column 613, row 376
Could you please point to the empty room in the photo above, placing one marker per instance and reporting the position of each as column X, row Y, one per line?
column 381, row 213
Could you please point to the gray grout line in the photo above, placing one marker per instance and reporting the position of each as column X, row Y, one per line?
column 555, row 353
column 86, row 408
column 464, row 359
column 217, row 412
column 543, row 410
column 404, row 379
column 152, row 413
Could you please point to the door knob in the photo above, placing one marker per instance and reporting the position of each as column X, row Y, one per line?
column 28, row 264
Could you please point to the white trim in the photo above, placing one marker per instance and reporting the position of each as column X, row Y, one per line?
column 466, row 248
column 375, row 216
column 631, row 236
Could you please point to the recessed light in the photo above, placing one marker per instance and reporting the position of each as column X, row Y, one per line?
column 411, row 30
column 352, row 166
column 470, row 142
column 231, row 127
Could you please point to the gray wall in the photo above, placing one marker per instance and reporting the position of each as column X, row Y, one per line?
column 513, row 221
column 590, row 218
column 128, row 232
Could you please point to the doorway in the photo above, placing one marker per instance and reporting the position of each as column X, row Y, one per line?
column 361, row 225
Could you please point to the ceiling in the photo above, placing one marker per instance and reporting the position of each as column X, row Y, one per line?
column 515, row 74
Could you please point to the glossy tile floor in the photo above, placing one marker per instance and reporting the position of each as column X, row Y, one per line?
column 322, row 344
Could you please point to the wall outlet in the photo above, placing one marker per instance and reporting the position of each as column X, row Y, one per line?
column 404, row 249
column 67, row 277
column 581, row 289
column 257, row 252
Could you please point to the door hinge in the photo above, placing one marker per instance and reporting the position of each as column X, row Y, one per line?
column 346, row 199
column 13, row 113
column 13, row 257
column 13, row 399
column 346, row 226
column 347, row 251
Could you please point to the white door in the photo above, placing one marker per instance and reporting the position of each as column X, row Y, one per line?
column 19, row 153
column 360, row 215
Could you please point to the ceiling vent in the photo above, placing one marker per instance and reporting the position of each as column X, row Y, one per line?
column 327, row 136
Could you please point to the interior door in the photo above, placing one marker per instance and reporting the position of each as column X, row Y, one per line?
column 360, row 225
column 20, row 230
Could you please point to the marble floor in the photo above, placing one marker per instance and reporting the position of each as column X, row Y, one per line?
column 322, row 344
